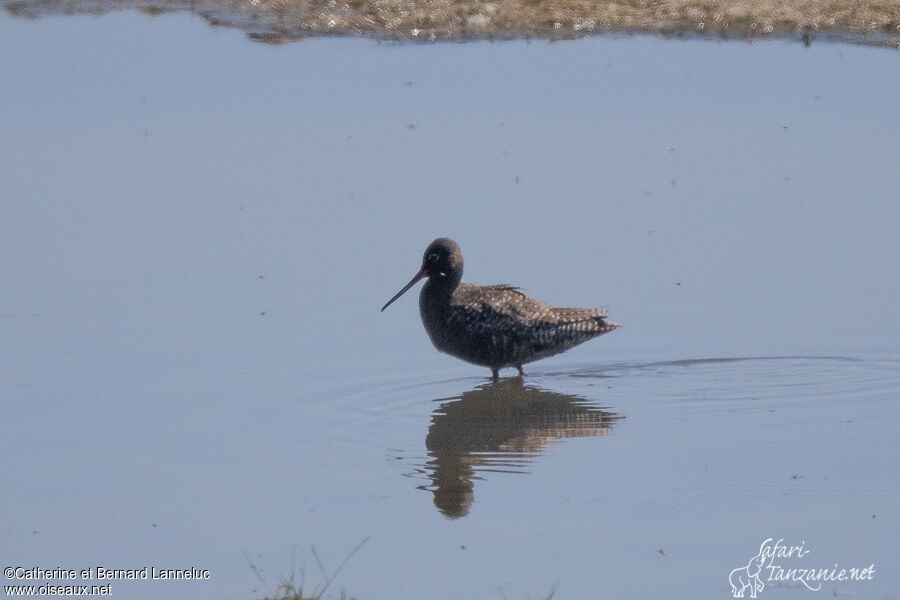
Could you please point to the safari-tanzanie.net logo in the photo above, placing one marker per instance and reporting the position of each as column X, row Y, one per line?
column 778, row 563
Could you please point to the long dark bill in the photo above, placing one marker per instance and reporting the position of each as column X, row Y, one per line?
column 411, row 283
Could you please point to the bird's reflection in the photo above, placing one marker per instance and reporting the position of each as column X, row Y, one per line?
column 500, row 426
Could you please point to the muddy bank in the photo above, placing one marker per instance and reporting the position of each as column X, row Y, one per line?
column 274, row 21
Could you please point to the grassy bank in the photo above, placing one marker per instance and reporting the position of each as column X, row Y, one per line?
column 876, row 22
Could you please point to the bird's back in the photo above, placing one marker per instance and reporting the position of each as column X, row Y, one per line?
column 499, row 326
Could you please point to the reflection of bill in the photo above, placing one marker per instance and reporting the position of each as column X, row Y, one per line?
column 500, row 426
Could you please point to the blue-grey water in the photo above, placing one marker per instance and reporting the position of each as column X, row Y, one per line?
column 197, row 233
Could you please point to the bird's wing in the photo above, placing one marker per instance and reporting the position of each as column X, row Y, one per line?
column 509, row 301
column 502, row 287
column 579, row 314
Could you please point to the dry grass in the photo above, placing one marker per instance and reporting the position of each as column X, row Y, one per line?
column 460, row 19
column 289, row 588
column 869, row 21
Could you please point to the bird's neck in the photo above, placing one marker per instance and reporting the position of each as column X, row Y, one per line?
column 439, row 289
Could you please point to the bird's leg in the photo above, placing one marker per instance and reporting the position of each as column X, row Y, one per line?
column 521, row 372
column 495, row 373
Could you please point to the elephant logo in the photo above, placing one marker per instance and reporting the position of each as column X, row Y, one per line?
column 748, row 577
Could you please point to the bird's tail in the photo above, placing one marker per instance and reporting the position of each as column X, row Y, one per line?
column 592, row 320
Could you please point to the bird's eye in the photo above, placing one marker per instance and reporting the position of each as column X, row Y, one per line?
column 432, row 258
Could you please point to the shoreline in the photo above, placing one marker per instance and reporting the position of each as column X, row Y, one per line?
column 281, row 21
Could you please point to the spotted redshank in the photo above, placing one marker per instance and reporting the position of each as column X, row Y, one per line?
column 494, row 326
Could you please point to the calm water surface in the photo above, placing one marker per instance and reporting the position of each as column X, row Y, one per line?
column 198, row 233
